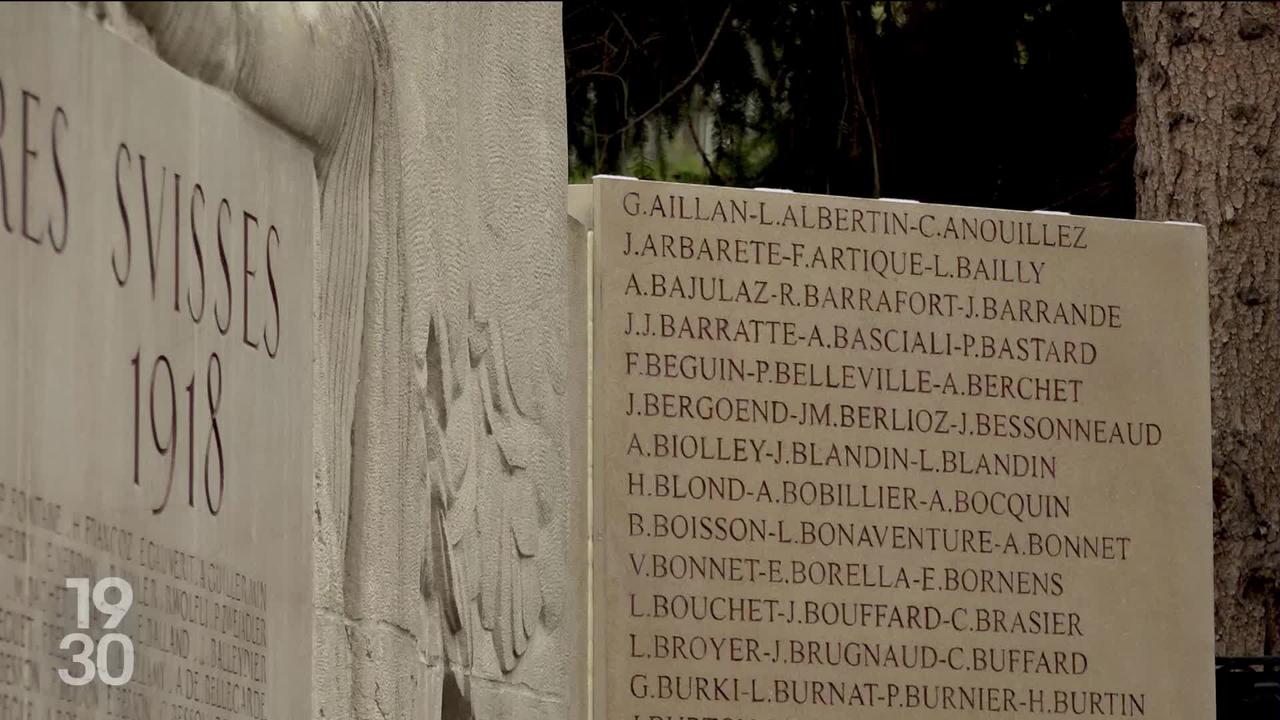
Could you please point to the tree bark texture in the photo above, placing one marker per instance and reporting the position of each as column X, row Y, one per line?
column 1208, row 114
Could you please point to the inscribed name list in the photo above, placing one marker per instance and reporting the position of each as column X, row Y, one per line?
column 897, row 460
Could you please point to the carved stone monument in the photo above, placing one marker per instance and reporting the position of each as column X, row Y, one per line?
column 155, row 376
column 893, row 460
column 422, row 265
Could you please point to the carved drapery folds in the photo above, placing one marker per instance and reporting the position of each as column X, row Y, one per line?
column 447, row 485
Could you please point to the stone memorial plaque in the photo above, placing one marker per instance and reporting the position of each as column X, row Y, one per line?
column 155, row 387
column 884, row 459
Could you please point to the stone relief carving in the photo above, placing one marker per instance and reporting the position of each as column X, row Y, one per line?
column 445, row 418
column 491, row 464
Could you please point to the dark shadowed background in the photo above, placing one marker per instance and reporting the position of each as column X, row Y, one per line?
column 1026, row 105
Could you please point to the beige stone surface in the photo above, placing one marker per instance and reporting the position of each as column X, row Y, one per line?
column 446, row 408
column 884, row 459
column 155, row 355
column 448, row 384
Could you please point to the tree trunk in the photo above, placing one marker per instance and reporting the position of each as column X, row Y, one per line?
column 1208, row 152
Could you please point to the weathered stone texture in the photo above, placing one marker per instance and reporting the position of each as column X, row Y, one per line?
column 449, row 340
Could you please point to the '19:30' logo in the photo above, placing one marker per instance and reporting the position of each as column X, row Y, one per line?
column 92, row 657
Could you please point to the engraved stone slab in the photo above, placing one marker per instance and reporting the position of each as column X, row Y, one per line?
column 883, row 459
column 155, row 382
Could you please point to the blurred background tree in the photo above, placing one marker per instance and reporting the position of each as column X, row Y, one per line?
column 1208, row 132
column 1013, row 104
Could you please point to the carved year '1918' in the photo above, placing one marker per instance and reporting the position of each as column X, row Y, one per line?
column 174, row 429
column 164, row 408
